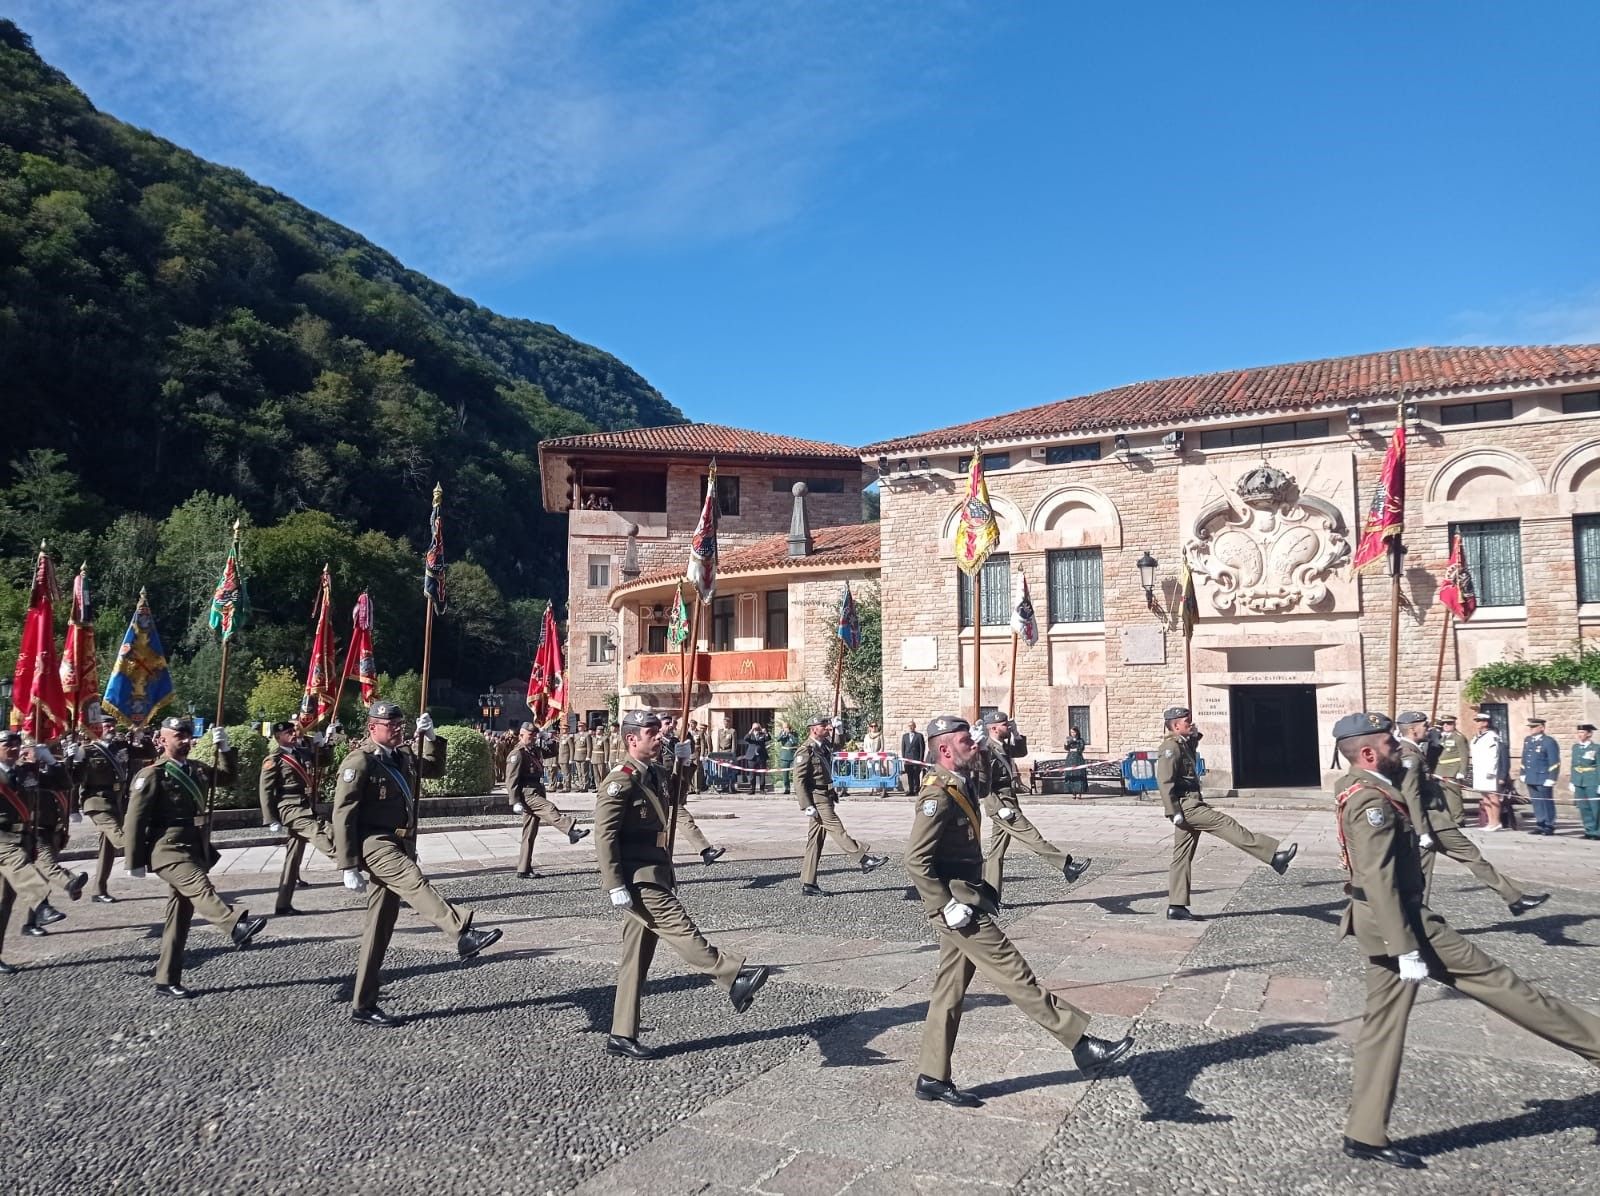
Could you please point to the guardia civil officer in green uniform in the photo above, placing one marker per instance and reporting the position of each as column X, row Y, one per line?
column 631, row 817
column 159, row 832
column 1436, row 811
column 373, row 831
column 998, row 773
column 813, row 773
column 944, row 858
column 288, row 805
column 1178, row 779
column 525, row 788
column 1585, row 772
column 1406, row 943
column 19, row 799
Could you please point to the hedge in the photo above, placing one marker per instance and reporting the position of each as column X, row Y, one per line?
column 468, row 765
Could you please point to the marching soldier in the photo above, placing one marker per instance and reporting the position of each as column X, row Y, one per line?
column 159, row 832
column 1436, row 812
column 813, row 765
column 1541, row 761
column 675, row 763
column 525, row 788
column 564, row 761
column 631, row 826
column 1178, row 779
column 19, row 798
column 582, row 753
column 1405, row 942
column 373, row 830
column 944, row 858
column 998, row 777
column 52, row 820
column 288, row 804
column 103, row 776
column 1586, row 780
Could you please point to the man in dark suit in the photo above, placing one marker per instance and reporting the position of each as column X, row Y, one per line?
column 913, row 749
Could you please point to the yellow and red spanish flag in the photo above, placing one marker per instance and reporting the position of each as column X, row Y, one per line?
column 359, row 662
column 80, row 672
column 38, row 706
column 1386, row 515
column 317, row 700
column 977, row 531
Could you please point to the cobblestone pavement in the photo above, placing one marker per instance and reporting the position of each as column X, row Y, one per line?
column 497, row 1082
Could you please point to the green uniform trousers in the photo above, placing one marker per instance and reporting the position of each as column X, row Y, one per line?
column 540, row 810
column 1198, row 817
column 1587, row 798
column 824, row 824
column 191, row 891
column 1456, row 962
column 303, row 827
column 18, row 878
column 393, row 876
column 110, row 828
column 1019, row 829
column 44, row 859
column 981, row 946
column 1450, row 841
column 656, row 913
column 689, row 832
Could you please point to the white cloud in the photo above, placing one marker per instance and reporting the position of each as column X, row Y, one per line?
column 472, row 138
column 1533, row 319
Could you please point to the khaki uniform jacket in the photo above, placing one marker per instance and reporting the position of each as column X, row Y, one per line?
column 1386, row 885
column 102, row 777
column 813, row 772
column 1177, row 776
column 582, row 746
column 724, row 739
column 373, row 795
column 524, row 774
column 602, row 751
column 159, row 827
column 564, row 749
column 944, row 854
column 997, row 776
column 1423, row 795
column 286, row 780
column 55, row 803
column 631, row 812
column 20, row 799
column 1454, row 758
column 615, row 748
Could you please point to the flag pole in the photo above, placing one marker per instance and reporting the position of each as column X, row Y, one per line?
column 977, row 646
column 838, row 677
column 1438, row 669
column 427, row 665
column 222, row 688
column 679, row 780
column 1011, row 700
column 1397, row 553
column 1188, row 671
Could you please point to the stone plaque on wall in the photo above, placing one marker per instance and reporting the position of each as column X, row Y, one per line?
column 919, row 652
column 1143, row 645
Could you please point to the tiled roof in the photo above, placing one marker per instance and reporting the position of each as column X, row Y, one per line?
column 701, row 440
column 832, row 547
column 1269, row 389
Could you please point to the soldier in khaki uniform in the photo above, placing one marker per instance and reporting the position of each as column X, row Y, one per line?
column 998, row 778
column 53, row 818
column 159, row 832
column 675, row 763
column 1405, row 942
column 288, row 804
column 373, row 830
column 582, row 758
column 1179, row 781
column 601, row 751
column 631, row 817
column 525, row 788
column 564, row 782
column 1454, row 755
column 944, row 858
column 19, row 798
column 1435, row 811
column 103, row 776
column 813, row 770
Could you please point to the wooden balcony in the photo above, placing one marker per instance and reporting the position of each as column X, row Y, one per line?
column 666, row 668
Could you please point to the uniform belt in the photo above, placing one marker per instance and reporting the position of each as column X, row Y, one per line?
column 402, row 832
column 1583, row 768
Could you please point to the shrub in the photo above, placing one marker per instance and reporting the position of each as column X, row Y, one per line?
column 468, row 766
column 244, row 792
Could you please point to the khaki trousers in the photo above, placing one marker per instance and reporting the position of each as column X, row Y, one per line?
column 304, row 827
column 827, row 823
column 393, row 876
column 44, row 859
column 110, row 829
column 657, row 913
column 689, row 832
column 981, row 946
column 1456, row 962
column 540, row 810
column 18, row 878
column 1449, row 841
column 1025, row 833
column 191, row 891
column 1198, row 817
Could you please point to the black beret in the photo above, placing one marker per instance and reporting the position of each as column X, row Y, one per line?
column 1363, row 723
column 991, row 717
column 947, row 724
column 1172, row 712
column 178, row 722
column 282, row 725
column 10, row 738
column 527, row 726
column 641, row 720
column 1585, row 727
column 818, row 720
column 1407, row 717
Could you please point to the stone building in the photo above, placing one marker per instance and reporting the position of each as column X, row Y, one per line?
column 1259, row 479
column 632, row 499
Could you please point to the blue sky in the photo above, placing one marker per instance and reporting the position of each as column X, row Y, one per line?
column 854, row 220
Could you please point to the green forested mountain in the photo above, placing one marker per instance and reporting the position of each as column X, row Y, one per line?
column 179, row 344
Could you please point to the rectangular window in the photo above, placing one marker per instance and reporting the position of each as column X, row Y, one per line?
column 815, row 485
column 1494, row 554
column 1586, row 548
column 599, row 648
column 1578, row 404
column 1293, row 429
column 996, row 592
column 991, row 462
column 1475, row 413
column 1077, row 592
column 1062, row 454
column 727, row 494
column 656, row 636
column 722, row 616
column 1078, row 716
column 599, row 572
column 777, row 619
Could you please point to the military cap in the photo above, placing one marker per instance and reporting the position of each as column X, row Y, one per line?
column 1447, row 720
column 991, row 717
column 1364, row 723
column 947, row 724
column 527, row 726
column 1172, row 712
column 818, row 720
column 383, row 712
column 1481, row 717
column 1536, row 722
column 1407, row 717
column 178, row 722
column 1585, row 727
column 641, row 720
column 10, row 738
column 282, row 725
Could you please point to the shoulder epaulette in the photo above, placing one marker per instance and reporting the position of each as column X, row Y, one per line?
column 627, row 768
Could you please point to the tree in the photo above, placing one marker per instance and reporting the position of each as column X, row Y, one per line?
column 276, row 695
column 194, row 545
column 863, row 668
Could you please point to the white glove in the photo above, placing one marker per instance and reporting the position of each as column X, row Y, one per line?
column 425, row 725
column 684, row 752
column 1523, row 777
column 1177, row 820
column 1007, row 813
column 1427, row 842
column 76, row 755
column 1550, row 784
column 519, row 808
column 219, row 738
column 955, row 914
column 136, row 873
column 620, row 897
column 276, row 828
column 353, row 880
column 1412, row 969
column 41, row 755
column 811, row 811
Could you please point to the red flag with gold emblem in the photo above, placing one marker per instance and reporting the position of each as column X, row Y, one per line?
column 1386, row 515
column 37, row 704
column 80, row 672
column 317, row 700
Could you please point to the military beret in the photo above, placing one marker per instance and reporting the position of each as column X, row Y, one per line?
column 991, row 717
column 1585, row 727
column 818, row 720
column 10, row 739
column 178, row 722
column 1172, row 712
column 282, row 725
column 383, row 712
column 947, row 724
column 527, row 726
column 1407, row 717
column 641, row 720
column 1536, row 722
column 1481, row 717
column 1364, row 723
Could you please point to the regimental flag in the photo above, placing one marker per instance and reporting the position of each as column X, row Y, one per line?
column 229, row 602
column 359, row 661
column 317, row 700
column 1022, row 618
column 849, row 629
column 433, row 564
column 80, row 672
column 140, row 683
column 547, row 683
column 702, row 571
column 1457, row 591
column 678, row 620
column 1188, row 602
column 1386, row 515
column 37, row 703
column 978, row 531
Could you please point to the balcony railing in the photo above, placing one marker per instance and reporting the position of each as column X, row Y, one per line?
column 661, row 668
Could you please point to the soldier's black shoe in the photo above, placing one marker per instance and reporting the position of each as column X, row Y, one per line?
column 471, row 941
column 45, row 914
column 746, row 985
column 1529, row 901
column 176, row 991
column 373, row 1016
column 285, row 911
column 576, row 833
column 1075, row 868
column 812, row 891
column 6, row 969
column 1094, row 1054
column 301, row 882
column 34, row 932
column 628, row 1048
column 1280, row 859
column 944, row 1090
column 246, row 928
column 103, row 899
column 529, row 875
column 1394, row 1156
column 871, row 863
column 75, row 885
column 1180, row 913
column 712, row 854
